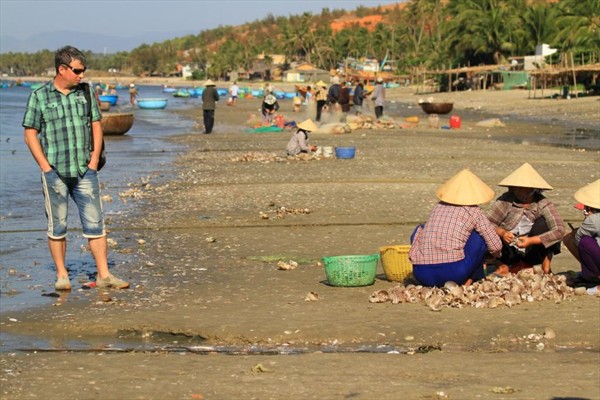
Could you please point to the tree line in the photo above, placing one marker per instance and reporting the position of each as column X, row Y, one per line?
column 431, row 34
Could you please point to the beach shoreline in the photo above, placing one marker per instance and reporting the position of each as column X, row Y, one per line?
column 204, row 275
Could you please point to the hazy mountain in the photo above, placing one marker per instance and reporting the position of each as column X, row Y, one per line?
column 97, row 43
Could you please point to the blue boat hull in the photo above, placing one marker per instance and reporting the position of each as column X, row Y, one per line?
column 152, row 104
column 109, row 98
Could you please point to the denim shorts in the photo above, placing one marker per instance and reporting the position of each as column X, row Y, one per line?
column 85, row 191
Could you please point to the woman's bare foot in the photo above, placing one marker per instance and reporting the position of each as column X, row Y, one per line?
column 501, row 270
column 546, row 265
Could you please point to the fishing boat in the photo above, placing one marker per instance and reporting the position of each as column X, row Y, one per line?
column 110, row 98
column 116, row 123
column 181, row 93
column 436, row 108
column 152, row 104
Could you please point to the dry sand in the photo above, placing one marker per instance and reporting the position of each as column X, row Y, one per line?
column 205, row 274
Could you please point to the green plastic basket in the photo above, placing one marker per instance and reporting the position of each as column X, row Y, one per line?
column 356, row 270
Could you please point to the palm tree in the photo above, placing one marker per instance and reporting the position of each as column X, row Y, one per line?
column 579, row 25
column 539, row 26
column 482, row 27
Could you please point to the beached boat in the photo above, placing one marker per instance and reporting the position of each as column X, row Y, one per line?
column 116, row 123
column 436, row 108
column 181, row 93
column 110, row 98
column 152, row 104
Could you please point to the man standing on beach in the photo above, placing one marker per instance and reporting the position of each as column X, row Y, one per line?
column 61, row 128
column 234, row 91
column 210, row 96
column 379, row 97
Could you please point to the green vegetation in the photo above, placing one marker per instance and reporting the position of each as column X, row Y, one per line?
column 431, row 34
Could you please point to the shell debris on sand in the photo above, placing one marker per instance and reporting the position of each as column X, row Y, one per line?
column 312, row 296
column 527, row 285
column 287, row 266
column 281, row 211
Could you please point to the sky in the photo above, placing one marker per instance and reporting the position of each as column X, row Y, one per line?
column 22, row 19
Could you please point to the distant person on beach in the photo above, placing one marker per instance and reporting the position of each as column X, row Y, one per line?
column 67, row 147
column 299, row 141
column 358, row 97
column 210, row 96
column 234, row 91
column 379, row 97
column 333, row 94
column 132, row 94
column 528, row 223
column 345, row 100
column 320, row 98
column 584, row 242
column 452, row 244
column 268, row 108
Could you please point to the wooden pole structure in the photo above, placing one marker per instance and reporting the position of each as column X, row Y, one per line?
column 574, row 75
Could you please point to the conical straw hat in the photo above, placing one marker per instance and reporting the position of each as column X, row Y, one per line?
column 308, row 125
column 209, row 83
column 589, row 195
column 321, row 84
column 465, row 189
column 525, row 176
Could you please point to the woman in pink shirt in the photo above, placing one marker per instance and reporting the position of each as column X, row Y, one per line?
column 452, row 244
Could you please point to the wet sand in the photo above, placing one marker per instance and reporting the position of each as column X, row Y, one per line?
column 210, row 316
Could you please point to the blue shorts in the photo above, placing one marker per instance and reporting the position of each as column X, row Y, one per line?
column 470, row 267
column 85, row 191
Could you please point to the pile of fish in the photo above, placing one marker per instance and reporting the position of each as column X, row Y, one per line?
column 527, row 285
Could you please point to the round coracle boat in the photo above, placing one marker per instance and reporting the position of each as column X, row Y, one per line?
column 116, row 123
column 436, row 108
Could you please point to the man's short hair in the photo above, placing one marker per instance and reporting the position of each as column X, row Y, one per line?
column 66, row 54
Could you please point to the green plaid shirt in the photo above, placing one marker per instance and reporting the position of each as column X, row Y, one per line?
column 63, row 126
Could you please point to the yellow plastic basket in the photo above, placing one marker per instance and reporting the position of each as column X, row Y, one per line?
column 395, row 262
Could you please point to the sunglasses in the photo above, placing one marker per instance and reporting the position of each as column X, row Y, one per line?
column 76, row 71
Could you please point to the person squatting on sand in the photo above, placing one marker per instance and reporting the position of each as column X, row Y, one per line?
column 299, row 141
column 584, row 242
column 268, row 108
column 529, row 225
column 210, row 96
column 64, row 134
column 452, row 244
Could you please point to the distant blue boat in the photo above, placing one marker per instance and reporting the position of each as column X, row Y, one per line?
column 196, row 92
column 257, row 93
column 290, row 95
column 109, row 98
column 222, row 92
column 169, row 89
column 152, row 104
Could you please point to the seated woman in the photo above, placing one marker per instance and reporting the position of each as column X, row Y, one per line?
column 528, row 224
column 456, row 237
column 269, row 107
column 299, row 140
column 584, row 242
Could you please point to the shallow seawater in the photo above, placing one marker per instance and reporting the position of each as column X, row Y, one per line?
column 26, row 269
